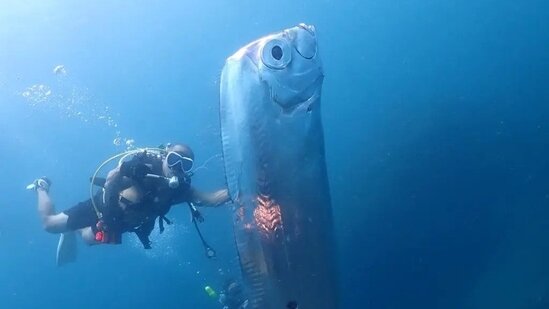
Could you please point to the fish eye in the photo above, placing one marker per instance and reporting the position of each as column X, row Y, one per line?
column 276, row 54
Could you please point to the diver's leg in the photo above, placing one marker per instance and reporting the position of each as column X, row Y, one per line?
column 88, row 236
column 67, row 248
column 52, row 222
column 57, row 223
column 80, row 219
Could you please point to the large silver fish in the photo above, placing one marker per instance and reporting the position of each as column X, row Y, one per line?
column 273, row 148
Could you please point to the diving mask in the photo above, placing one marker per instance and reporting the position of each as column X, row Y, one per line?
column 177, row 162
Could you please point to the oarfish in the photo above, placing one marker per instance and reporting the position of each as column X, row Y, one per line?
column 275, row 167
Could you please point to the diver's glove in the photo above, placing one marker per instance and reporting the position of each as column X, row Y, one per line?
column 134, row 170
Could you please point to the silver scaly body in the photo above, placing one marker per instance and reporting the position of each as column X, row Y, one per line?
column 273, row 148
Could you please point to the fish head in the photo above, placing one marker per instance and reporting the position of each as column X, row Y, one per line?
column 288, row 65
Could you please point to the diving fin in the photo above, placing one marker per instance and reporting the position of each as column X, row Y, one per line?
column 66, row 248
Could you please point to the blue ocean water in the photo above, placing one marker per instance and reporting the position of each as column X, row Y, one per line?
column 436, row 125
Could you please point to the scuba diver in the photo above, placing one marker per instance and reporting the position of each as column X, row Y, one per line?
column 232, row 296
column 134, row 195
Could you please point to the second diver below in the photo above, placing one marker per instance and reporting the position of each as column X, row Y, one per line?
column 135, row 194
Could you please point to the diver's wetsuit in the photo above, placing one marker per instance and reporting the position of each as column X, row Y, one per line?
column 140, row 217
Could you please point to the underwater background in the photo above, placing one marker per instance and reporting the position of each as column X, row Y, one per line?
column 436, row 128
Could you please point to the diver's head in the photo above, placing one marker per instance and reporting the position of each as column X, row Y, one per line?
column 232, row 287
column 178, row 161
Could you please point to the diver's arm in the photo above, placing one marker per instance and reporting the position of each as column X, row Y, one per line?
column 202, row 199
column 213, row 199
